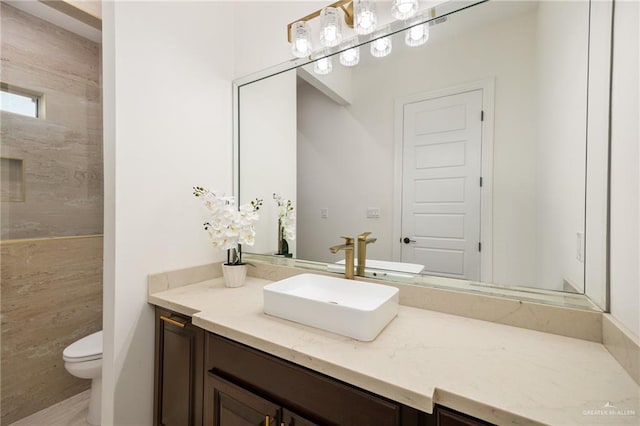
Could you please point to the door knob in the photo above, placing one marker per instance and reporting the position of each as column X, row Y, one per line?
column 408, row 240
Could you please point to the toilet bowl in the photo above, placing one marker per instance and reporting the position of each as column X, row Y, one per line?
column 83, row 359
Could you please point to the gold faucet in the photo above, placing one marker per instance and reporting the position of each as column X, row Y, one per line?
column 362, row 251
column 348, row 256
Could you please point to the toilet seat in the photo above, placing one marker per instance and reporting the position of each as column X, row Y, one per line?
column 86, row 349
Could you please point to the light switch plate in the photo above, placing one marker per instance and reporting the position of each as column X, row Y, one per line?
column 373, row 212
column 580, row 246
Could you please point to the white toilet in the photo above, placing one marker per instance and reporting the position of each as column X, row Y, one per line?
column 83, row 359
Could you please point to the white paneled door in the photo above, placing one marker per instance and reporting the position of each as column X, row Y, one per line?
column 442, row 153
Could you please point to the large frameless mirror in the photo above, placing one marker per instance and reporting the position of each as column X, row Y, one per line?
column 462, row 145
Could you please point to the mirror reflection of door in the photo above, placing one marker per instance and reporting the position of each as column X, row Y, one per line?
column 441, row 195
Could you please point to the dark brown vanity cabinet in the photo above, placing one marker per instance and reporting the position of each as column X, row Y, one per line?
column 179, row 373
column 244, row 380
column 206, row 379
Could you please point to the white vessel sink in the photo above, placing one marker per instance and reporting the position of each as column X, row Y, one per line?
column 396, row 271
column 351, row 308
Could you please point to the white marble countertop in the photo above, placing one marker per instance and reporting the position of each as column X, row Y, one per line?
column 499, row 373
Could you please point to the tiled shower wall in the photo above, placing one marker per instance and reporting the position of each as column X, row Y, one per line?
column 51, row 239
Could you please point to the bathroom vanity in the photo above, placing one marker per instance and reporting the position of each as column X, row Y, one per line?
column 485, row 333
column 204, row 378
column 218, row 356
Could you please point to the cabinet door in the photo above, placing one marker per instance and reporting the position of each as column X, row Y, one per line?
column 179, row 371
column 290, row 418
column 226, row 404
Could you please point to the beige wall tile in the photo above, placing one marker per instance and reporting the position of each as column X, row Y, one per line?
column 61, row 152
column 51, row 287
column 51, row 296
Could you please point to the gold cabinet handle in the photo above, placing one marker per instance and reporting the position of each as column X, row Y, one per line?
column 267, row 421
column 173, row 321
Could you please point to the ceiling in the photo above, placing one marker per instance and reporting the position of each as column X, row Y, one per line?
column 80, row 17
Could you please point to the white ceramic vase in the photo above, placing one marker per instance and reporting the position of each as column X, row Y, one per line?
column 234, row 275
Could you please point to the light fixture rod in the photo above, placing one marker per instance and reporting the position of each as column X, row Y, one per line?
column 345, row 5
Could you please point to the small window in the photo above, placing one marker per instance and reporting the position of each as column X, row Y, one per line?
column 19, row 102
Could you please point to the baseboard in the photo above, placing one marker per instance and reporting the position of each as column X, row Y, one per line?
column 570, row 287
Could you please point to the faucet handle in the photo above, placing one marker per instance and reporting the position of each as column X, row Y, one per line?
column 348, row 240
column 364, row 235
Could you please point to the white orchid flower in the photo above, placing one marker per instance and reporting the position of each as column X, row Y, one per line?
column 228, row 226
column 247, row 237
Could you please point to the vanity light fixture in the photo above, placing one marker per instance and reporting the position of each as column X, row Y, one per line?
column 381, row 47
column 403, row 9
column 323, row 65
column 366, row 18
column 331, row 27
column 350, row 57
column 417, row 35
column 347, row 11
column 362, row 17
column 301, row 36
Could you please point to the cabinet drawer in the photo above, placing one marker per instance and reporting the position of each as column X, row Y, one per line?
column 317, row 397
column 447, row 417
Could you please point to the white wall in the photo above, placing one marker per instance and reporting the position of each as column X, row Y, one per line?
column 261, row 43
column 167, row 122
column 335, row 148
column 625, row 187
column 367, row 147
column 337, row 85
column 261, row 32
column 562, row 52
column 167, row 127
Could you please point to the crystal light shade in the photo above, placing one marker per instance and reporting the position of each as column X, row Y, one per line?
column 300, row 40
column 403, row 9
column 381, row 47
column 365, row 17
column 323, row 66
column 350, row 57
column 331, row 27
column 417, row 35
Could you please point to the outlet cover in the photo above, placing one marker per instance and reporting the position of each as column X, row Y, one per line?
column 373, row 212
